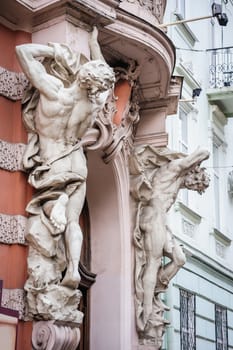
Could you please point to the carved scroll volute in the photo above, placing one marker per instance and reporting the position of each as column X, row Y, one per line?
column 47, row 335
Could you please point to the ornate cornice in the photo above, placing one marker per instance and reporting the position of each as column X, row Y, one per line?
column 48, row 335
column 11, row 155
column 155, row 7
column 12, row 84
column 14, row 299
column 12, row 229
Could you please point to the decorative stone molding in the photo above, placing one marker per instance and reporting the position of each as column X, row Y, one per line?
column 12, row 229
column 155, row 7
column 12, row 84
column 11, row 155
column 14, row 299
column 188, row 228
column 49, row 335
column 105, row 134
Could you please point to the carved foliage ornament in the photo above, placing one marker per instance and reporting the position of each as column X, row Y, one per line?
column 107, row 136
column 156, row 7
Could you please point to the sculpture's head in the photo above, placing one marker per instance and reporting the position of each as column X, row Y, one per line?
column 197, row 180
column 96, row 76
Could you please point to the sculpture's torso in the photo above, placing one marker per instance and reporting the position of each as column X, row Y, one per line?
column 166, row 185
column 61, row 122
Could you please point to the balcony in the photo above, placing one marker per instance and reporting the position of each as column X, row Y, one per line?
column 220, row 90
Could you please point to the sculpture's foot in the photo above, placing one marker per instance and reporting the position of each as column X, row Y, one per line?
column 58, row 213
column 71, row 279
column 147, row 313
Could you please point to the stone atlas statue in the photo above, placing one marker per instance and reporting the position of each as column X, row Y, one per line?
column 157, row 175
column 67, row 92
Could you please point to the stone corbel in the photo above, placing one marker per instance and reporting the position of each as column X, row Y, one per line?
column 12, row 84
column 50, row 335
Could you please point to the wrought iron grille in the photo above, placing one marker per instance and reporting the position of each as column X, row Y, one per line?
column 221, row 67
column 187, row 320
column 221, row 327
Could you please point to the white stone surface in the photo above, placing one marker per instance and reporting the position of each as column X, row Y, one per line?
column 68, row 92
column 157, row 175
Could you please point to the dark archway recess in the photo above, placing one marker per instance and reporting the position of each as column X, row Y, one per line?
column 87, row 279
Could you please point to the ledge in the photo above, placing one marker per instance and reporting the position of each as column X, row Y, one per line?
column 222, row 97
column 225, row 239
column 187, row 212
column 194, row 253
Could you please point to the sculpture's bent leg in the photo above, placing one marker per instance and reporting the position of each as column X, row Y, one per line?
column 167, row 272
column 154, row 241
column 74, row 237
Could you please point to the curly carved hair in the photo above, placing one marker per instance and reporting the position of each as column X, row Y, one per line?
column 197, row 180
column 97, row 72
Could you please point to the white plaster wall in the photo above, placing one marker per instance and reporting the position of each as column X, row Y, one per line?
column 210, row 284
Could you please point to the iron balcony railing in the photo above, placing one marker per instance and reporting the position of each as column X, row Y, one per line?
column 221, row 67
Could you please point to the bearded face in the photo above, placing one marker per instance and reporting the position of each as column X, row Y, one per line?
column 197, row 180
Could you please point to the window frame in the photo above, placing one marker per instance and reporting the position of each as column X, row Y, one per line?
column 183, row 144
column 220, row 345
column 188, row 330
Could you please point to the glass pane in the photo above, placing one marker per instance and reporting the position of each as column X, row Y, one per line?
column 187, row 319
column 221, row 327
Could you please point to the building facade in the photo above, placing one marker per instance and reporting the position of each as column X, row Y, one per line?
column 201, row 294
column 143, row 59
column 124, row 147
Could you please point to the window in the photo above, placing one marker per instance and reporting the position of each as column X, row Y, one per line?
column 221, row 327
column 216, row 185
column 219, row 182
column 183, row 145
column 187, row 320
column 180, row 8
column 183, row 131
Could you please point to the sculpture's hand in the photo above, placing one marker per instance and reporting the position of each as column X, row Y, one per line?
column 94, row 46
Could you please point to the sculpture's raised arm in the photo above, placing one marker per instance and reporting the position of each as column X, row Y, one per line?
column 95, row 51
column 193, row 159
column 35, row 71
